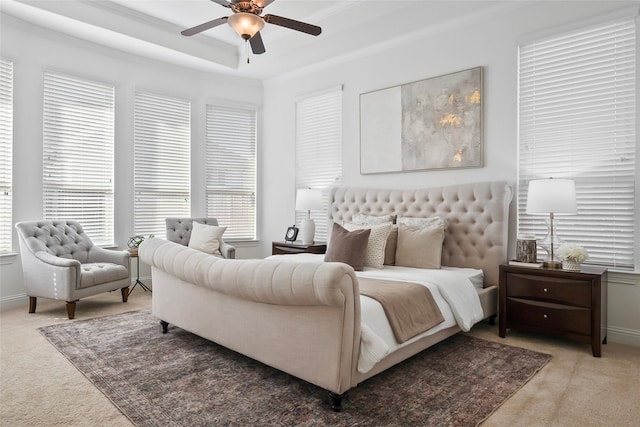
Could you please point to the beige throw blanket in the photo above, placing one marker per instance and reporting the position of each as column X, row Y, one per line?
column 410, row 307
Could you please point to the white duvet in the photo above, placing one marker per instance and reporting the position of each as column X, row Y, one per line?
column 451, row 288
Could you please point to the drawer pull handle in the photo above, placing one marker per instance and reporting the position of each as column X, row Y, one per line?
column 544, row 315
column 545, row 289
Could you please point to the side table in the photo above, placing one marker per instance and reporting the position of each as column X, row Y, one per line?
column 567, row 304
column 134, row 254
column 297, row 247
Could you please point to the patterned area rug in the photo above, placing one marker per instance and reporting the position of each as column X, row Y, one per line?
column 179, row 379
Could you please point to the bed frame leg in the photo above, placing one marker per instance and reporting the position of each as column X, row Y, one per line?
column 336, row 401
column 165, row 326
column 492, row 319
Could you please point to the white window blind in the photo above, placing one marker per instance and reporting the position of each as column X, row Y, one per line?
column 78, row 144
column 319, row 150
column 577, row 120
column 162, row 161
column 231, row 169
column 6, row 150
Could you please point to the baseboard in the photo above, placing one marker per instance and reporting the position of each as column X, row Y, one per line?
column 623, row 336
column 14, row 301
column 21, row 300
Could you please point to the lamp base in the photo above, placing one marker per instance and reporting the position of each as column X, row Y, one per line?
column 555, row 265
column 308, row 231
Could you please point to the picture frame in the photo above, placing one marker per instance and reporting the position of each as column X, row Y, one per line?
column 431, row 124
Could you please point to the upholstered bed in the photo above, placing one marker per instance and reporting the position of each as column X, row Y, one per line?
column 308, row 318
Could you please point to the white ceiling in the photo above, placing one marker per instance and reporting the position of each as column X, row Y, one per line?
column 152, row 28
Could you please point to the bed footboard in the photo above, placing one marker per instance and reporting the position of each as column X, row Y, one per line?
column 300, row 319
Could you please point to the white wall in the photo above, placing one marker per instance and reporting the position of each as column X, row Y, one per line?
column 489, row 41
column 34, row 50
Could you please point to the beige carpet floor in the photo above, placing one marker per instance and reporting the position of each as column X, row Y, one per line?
column 39, row 386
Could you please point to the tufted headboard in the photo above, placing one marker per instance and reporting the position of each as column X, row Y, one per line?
column 478, row 217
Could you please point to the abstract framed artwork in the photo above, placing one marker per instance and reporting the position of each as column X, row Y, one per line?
column 434, row 123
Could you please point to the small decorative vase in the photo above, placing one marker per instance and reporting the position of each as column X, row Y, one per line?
column 571, row 265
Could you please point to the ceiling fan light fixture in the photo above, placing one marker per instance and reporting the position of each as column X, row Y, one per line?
column 245, row 24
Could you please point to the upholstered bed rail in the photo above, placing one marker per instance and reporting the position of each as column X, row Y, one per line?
column 265, row 281
column 477, row 214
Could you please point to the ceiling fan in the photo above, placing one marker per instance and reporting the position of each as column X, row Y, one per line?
column 247, row 22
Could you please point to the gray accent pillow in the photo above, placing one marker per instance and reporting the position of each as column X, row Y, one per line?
column 348, row 247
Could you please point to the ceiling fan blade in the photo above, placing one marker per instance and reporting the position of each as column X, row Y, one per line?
column 224, row 3
column 257, row 46
column 262, row 3
column 203, row 27
column 314, row 30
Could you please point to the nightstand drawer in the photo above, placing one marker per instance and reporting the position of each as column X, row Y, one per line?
column 548, row 316
column 552, row 289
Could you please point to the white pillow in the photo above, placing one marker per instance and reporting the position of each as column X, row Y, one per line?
column 371, row 219
column 422, row 222
column 374, row 256
column 206, row 238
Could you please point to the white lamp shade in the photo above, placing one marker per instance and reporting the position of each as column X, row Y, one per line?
column 557, row 196
column 308, row 199
column 245, row 24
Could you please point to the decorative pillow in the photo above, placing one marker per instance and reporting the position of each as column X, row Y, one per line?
column 422, row 222
column 347, row 246
column 374, row 255
column 372, row 219
column 390, row 247
column 206, row 238
column 420, row 247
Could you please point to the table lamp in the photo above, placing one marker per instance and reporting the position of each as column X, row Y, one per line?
column 308, row 199
column 551, row 197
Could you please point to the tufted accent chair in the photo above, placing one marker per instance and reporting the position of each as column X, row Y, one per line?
column 61, row 262
column 179, row 231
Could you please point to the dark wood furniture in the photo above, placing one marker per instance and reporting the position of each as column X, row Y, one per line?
column 568, row 304
column 297, row 247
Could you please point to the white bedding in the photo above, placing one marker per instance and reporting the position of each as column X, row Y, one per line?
column 451, row 287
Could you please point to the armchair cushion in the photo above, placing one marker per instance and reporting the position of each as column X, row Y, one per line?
column 92, row 274
column 179, row 231
column 206, row 238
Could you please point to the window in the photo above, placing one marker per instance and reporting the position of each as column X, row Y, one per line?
column 6, row 158
column 78, row 146
column 319, row 149
column 162, row 141
column 577, row 120
column 231, row 169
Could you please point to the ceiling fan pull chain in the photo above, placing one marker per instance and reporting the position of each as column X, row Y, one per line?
column 246, row 49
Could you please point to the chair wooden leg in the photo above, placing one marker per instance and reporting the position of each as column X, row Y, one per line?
column 71, row 309
column 125, row 294
column 32, row 304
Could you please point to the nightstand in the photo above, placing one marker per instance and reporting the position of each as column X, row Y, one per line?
column 568, row 304
column 297, row 247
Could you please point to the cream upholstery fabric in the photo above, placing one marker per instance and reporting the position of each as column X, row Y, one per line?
column 301, row 318
column 419, row 247
column 477, row 217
